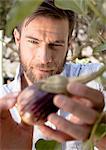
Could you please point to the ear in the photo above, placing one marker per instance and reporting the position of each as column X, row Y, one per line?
column 16, row 37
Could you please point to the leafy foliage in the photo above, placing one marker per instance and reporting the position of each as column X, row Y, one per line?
column 80, row 6
column 47, row 145
column 5, row 6
column 20, row 11
column 92, row 14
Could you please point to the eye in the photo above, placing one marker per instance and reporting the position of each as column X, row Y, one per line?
column 55, row 46
column 33, row 41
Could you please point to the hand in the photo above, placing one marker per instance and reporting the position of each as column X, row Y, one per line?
column 13, row 135
column 101, row 144
column 84, row 104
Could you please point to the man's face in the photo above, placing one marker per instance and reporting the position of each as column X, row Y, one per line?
column 43, row 45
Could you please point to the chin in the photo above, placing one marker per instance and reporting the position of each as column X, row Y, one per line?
column 42, row 77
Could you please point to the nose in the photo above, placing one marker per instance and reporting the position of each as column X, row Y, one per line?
column 44, row 54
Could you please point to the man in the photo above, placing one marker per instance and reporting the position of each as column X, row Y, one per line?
column 42, row 40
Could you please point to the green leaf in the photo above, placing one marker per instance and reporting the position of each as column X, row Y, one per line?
column 96, row 130
column 100, row 47
column 84, row 6
column 78, row 6
column 47, row 145
column 20, row 11
column 93, row 6
column 100, row 131
column 88, row 145
column 93, row 28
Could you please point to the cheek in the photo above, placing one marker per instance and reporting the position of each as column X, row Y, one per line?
column 25, row 48
column 26, row 55
column 60, row 57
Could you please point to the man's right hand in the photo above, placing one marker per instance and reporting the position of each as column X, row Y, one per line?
column 13, row 136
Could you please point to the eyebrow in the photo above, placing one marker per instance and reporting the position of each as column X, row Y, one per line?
column 57, row 41
column 30, row 37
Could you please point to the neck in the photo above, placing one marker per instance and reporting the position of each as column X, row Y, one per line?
column 24, row 83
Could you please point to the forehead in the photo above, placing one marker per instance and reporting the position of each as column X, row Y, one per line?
column 46, row 25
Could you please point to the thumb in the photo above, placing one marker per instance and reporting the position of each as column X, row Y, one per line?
column 8, row 101
column 25, row 125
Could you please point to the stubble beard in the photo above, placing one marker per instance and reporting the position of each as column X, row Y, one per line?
column 30, row 72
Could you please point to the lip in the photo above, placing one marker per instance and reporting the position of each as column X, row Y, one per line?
column 45, row 70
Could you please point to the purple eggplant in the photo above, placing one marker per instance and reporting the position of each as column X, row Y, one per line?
column 35, row 105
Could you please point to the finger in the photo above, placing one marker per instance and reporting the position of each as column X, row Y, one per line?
column 83, row 101
column 86, row 114
column 54, row 134
column 95, row 96
column 6, row 103
column 79, row 132
column 75, row 119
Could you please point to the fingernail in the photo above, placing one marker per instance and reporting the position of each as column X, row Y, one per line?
column 52, row 116
column 58, row 100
